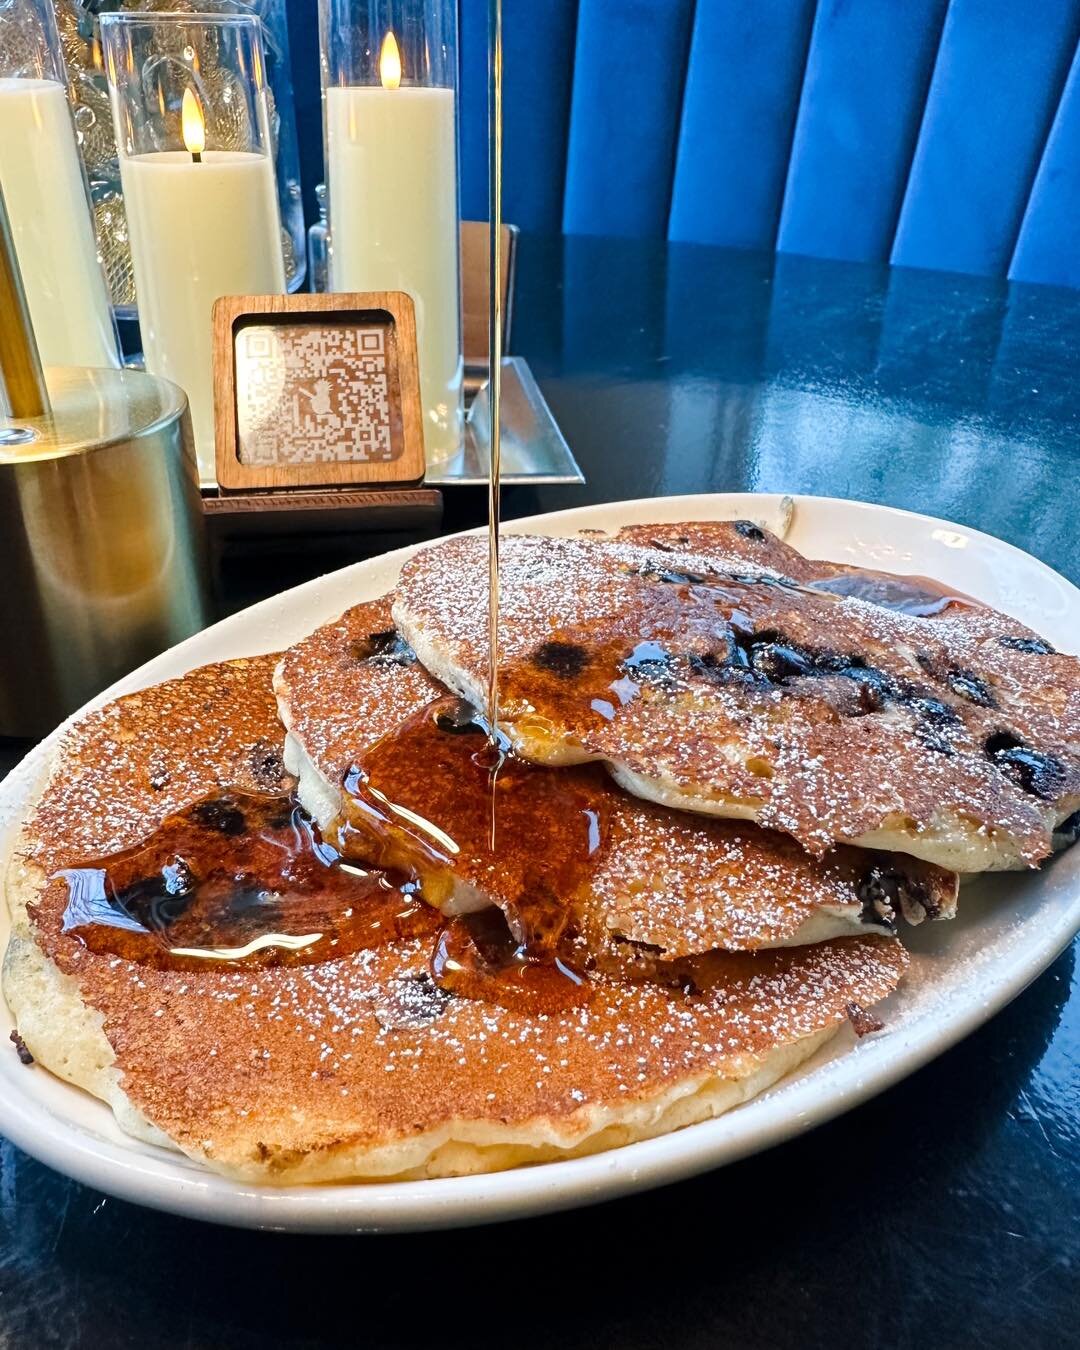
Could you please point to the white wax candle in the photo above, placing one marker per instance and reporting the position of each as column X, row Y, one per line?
column 198, row 231
column 392, row 180
column 46, row 202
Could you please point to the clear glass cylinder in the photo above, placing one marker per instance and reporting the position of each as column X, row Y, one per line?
column 282, row 129
column 80, row 37
column 47, row 196
column 197, row 168
column 318, row 245
column 389, row 72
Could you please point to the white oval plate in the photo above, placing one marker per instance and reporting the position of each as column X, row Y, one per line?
column 1010, row 928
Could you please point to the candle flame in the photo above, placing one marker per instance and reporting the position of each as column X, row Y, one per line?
column 390, row 62
column 192, row 123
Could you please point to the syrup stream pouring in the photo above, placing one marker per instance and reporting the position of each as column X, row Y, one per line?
column 495, row 335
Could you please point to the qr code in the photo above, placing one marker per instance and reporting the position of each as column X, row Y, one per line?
column 307, row 394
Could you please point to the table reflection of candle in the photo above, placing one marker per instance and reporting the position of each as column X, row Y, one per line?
column 392, row 179
column 203, row 223
column 50, row 221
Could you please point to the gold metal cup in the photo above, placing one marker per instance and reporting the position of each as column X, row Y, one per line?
column 101, row 540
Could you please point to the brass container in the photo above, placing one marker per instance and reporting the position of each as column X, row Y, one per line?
column 101, row 540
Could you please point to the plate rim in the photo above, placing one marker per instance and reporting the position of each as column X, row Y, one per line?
column 170, row 1182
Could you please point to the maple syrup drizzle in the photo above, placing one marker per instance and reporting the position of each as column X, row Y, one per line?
column 920, row 597
column 916, row 596
column 242, row 878
column 477, row 956
column 420, row 802
column 236, row 878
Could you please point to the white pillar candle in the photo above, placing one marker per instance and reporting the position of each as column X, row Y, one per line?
column 45, row 194
column 392, row 179
column 199, row 230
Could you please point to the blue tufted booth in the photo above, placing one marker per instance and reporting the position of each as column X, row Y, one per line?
column 929, row 133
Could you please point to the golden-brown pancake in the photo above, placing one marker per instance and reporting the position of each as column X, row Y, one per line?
column 661, row 882
column 359, row 1067
column 718, row 683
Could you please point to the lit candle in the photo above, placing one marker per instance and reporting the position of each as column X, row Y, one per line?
column 43, row 185
column 392, row 179
column 203, row 223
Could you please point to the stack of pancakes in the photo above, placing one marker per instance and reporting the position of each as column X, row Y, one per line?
column 728, row 777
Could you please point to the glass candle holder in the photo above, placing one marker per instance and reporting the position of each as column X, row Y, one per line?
column 89, row 91
column 203, row 218
column 47, row 196
column 389, row 72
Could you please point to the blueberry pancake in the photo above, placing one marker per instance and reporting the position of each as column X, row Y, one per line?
column 720, row 683
column 656, row 884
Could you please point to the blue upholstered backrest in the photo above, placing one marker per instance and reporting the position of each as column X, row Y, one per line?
column 933, row 133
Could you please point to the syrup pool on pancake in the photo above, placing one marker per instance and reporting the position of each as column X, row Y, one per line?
column 237, row 877
column 919, row 596
column 247, row 879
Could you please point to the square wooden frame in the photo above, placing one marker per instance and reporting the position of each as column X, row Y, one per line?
column 294, row 309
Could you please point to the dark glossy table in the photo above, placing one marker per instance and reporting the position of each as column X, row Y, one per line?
column 946, row 1212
